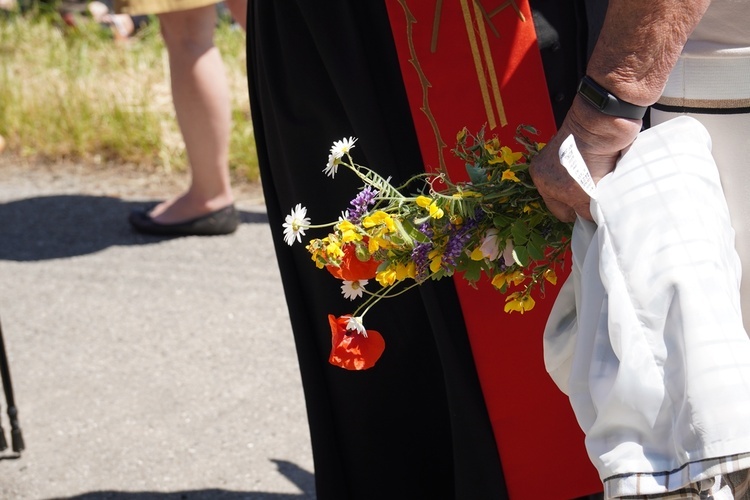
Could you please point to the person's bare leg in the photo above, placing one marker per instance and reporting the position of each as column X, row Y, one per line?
column 200, row 93
column 238, row 9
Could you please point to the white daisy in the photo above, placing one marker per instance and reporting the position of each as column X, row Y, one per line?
column 332, row 166
column 338, row 150
column 296, row 224
column 353, row 289
column 342, row 147
column 355, row 323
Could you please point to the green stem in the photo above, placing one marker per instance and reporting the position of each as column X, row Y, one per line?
column 320, row 226
column 375, row 297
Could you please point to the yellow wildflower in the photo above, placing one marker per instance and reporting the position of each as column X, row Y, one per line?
column 312, row 247
column 376, row 243
column 509, row 156
column 435, row 211
column 316, row 248
column 411, row 269
column 550, row 276
column 424, row 201
column 516, row 277
column 509, row 175
column 436, row 263
column 379, row 218
column 436, row 259
column 466, row 194
column 498, row 280
column 531, row 206
column 346, row 225
column 387, row 277
column 402, row 271
column 333, row 250
column 349, row 232
column 492, row 146
column 520, row 302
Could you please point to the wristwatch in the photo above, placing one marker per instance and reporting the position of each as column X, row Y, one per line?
column 607, row 103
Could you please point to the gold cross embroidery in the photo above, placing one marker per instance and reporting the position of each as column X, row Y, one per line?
column 481, row 52
column 482, row 61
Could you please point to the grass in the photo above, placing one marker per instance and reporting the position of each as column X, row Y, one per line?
column 75, row 94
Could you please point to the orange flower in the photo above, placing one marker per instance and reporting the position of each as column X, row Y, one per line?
column 353, row 269
column 352, row 350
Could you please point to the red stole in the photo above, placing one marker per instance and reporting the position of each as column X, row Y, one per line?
column 470, row 63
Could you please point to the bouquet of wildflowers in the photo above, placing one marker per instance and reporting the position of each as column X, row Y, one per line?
column 494, row 225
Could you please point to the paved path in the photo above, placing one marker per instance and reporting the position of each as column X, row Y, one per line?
column 144, row 368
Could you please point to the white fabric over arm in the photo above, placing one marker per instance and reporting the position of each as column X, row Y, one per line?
column 646, row 336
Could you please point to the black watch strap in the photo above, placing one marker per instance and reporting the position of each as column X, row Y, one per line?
column 608, row 103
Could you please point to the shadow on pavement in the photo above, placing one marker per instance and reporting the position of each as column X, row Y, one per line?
column 52, row 227
column 300, row 477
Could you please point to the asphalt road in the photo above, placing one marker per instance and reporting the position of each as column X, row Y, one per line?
column 143, row 367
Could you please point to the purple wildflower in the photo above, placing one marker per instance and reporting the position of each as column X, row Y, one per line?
column 361, row 203
column 458, row 236
column 420, row 254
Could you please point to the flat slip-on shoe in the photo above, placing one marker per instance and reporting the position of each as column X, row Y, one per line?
column 223, row 221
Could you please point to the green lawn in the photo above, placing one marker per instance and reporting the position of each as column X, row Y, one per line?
column 75, row 94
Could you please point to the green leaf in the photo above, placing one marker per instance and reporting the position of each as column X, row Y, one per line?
column 536, row 219
column 536, row 252
column 520, row 233
column 521, row 255
column 421, row 220
column 476, row 174
column 538, row 240
column 414, row 233
column 487, row 266
column 501, row 221
column 473, row 270
column 403, row 233
column 361, row 252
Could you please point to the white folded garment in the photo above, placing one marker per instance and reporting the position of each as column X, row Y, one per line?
column 646, row 335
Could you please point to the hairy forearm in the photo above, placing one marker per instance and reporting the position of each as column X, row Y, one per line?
column 640, row 43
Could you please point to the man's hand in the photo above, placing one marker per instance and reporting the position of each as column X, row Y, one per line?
column 601, row 139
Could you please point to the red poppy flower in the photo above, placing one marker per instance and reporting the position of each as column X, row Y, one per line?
column 353, row 269
column 351, row 350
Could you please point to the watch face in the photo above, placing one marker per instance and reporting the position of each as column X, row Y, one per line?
column 597, row 98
